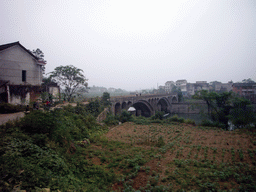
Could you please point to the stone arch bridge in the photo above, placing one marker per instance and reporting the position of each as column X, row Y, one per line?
column 145, row 105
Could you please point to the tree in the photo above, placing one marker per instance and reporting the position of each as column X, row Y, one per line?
column 242, row 112
column 176, row 90
column 248, row 81
column 223, row 107
column 70, row 79
column 105, row 99
column 40, row 55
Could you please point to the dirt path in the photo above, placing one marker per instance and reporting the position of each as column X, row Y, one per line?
column 11, row 116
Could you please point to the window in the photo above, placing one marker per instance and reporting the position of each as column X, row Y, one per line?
column 24, row 75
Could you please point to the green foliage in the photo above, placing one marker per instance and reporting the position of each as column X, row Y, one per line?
column 209, row 123
column 9, row 108
column 242, row 113
column 106, row 99
column 111, row 120
column 125, row 116
column 223, row 107
column 177, row 90
column 69, row 77
column 38, row 122
column 176, row 118
column 141, row 120
column 94, row 107
column 158, row 115
column 160, row 142
column 190, row 121
column 43, row 150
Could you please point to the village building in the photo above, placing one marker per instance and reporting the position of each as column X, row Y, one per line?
column 168, row 86
column 246, row 90
column 21, row 74
column 182, row 84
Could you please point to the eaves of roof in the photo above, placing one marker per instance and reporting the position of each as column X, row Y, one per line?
column 6, row 46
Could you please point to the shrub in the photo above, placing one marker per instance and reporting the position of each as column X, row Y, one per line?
column 141, row 120
column 190, row 121
column 111, row 120
column 176, row 118
column 158, row 115
column 209, row 123
column 38, row 122
column 160, row 142
column 9, row 108
column 125, row 116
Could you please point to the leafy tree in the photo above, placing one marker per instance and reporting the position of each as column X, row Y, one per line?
column 125, row 116
column 161, row 90
column 223, row 107
column 242, row 112
column 219, row 105
column 248, row 81
column 69, row 77
column 94, row 107
column 105, row 99
column 176, row 90
column 39, row 54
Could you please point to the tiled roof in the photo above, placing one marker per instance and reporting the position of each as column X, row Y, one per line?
column 6, row 46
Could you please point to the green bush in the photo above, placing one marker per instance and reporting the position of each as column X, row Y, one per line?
column 176, row 118
column 125, row 116
column 190, row 121
column 159, row 115
column 209, row 123
column 111, row 120
column 9, row 108
column 38, row 122
column 141, row 120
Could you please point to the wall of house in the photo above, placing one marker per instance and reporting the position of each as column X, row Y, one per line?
column 18, row 100
column 55, row 91
column 15, row 59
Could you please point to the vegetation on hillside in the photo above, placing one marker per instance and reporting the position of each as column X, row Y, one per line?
column 67, row 150
column 225, row 108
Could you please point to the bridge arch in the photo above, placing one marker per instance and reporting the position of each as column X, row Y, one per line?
column 143, row 108
column 124, row 105
column 117, row 108
column 174, row 99
column 163, row 104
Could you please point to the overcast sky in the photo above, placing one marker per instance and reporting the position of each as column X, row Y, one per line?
column 138, row 44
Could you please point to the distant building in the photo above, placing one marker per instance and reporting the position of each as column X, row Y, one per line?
column 111, row 89
column 201, row 85
column 168, row 86
column 20, row 74
column 246, row 90
column 182, row 84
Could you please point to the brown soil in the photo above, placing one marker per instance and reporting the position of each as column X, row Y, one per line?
column 187, row 138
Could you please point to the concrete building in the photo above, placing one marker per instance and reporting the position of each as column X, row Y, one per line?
column 246, row 90
column 182, row 84
column 168, row 86
column 20, row 74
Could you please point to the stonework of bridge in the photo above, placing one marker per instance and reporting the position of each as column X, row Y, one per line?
column 145, row 105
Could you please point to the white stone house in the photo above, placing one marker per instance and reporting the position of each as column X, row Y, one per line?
column 20, row 74
column 168, row 86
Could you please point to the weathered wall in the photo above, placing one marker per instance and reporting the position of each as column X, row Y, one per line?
column 189, row 108
column 13, row 61
column 55, row 91
column 19, row 100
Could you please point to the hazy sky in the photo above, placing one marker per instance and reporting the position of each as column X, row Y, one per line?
column 137, row 44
